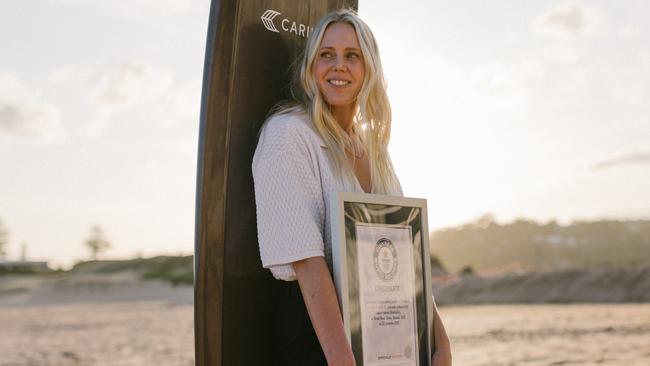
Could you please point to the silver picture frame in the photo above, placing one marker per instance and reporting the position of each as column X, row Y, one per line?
column 382, row 274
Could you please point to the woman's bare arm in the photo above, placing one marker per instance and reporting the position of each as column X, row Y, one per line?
column 322, row 305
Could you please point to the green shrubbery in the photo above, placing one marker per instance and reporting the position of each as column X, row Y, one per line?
column 177, row 270
column 524, row 245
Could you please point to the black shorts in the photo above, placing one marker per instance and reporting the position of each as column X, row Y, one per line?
column 296, row 339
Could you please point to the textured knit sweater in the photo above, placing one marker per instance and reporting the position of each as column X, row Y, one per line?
column 294, row 179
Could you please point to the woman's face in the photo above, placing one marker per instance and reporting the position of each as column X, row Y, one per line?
column 339, row 67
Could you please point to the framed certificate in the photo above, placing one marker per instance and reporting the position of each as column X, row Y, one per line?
column 382, row 272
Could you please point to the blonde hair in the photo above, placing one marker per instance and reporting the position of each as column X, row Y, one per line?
column 373, row 119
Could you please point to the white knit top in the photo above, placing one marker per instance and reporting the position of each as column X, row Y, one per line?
column 294, row 179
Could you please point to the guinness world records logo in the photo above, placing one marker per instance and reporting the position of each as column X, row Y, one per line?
column 385, row 259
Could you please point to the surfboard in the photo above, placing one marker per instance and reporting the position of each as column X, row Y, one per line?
column 250, row 47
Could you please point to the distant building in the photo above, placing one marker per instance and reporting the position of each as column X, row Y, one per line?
column 23, row 266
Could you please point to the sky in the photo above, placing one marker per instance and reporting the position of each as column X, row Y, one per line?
column 536, row 109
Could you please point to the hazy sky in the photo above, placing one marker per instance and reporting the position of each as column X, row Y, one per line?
column 536, row 109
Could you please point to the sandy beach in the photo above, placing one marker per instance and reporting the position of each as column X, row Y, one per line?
column 119, row 334
column 576, row 334
column 157, row 333
column 121, row 320
column 95, row 319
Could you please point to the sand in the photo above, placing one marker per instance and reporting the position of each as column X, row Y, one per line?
column 119, row 334
column 119, row 320
column 94, row 319
column 157, row 333
column 585, row 334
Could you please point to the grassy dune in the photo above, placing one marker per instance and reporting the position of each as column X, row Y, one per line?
column 176, row 270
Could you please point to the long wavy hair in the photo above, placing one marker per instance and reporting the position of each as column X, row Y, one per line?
column 373, row 118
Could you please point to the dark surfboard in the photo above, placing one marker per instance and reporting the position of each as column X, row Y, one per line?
column 250, row 46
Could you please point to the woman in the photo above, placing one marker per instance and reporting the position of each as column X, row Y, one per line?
column 333, row 137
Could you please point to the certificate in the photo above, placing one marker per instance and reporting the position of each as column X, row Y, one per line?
column 381, row 261
column 386, row 296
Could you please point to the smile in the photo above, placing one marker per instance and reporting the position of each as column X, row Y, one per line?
column 338, row 82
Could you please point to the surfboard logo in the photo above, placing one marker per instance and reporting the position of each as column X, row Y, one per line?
column 286, row 25
column 267, row 20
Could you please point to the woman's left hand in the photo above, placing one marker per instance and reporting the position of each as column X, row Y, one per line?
column 442, row 352
column 442, row 356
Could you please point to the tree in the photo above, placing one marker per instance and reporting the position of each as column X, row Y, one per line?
column 4, row 240
column 96, row 242
column 485, row 220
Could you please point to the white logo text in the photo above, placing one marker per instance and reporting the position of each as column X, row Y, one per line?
column 287, row 25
